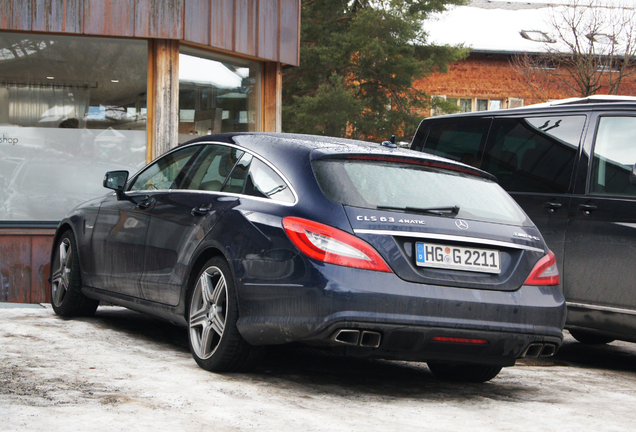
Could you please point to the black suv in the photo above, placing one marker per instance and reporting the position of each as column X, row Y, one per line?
column 571, row 166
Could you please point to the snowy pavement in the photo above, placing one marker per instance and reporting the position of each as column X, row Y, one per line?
column 123, row 371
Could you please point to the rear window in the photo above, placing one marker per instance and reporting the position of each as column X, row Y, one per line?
column 377, row 184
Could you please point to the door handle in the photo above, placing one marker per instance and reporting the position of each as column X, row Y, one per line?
column 587, row 208
column 146, row 203
column 552, row 206
column 201, row 210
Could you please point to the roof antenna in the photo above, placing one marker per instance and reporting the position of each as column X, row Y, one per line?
column 390, row 143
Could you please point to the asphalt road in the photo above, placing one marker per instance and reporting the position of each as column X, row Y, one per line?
column 121, row 370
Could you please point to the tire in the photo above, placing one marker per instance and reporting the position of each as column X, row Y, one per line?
column 215, row 342
column 590, row 338
column 66, row 281
column 475, row 373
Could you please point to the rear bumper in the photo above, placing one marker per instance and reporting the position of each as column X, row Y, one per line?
column 406, row 315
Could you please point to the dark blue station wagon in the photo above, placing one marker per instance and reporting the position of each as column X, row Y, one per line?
column 253, row 239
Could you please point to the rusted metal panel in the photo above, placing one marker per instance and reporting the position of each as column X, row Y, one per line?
column 61, row 16
column 165, row 81
column 162, row 19
column 24, row 265
column 40, row 269
column 268, row 22
column 15, row 269
column 222, row 24
column 197, row 21
column 290, row 32
column 109, row 17
column 246, row 24
column 15, row 15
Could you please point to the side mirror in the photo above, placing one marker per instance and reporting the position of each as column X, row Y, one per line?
column 632, row 175
column 116, row 180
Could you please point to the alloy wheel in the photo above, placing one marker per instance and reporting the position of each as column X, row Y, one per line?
column 208, row 312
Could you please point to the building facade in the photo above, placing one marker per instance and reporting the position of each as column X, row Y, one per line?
column 88, row 86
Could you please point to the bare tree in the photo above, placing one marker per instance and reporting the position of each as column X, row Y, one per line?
column 590, row 47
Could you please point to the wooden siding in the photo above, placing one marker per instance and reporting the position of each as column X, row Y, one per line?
column 222, row 22
column 165, row 94
column 272, row 97
column 161, row 19
column 60, row 16
column 114, row 17
column 246, row 24
column 263, row 29
column 15, row 15
column 24, row 265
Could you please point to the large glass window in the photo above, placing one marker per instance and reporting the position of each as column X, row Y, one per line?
column 614, row 157
column 217, row 94
column 71, row 108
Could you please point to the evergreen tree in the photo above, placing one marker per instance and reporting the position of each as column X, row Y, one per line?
column 358, row 61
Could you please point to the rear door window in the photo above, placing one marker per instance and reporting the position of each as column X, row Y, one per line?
column 534, row 154
column 461, row 141
column 614, row 157
column 253, row 177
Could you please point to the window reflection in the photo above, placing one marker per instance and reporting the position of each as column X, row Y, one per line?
column 71, row 108
column 216, row 94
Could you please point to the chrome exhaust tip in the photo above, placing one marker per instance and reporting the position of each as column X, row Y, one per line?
column 548, row 350
column 370, row 339
column 346, row 336
column 533, row 350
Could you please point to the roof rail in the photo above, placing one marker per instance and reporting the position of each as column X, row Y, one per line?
column 586, row 100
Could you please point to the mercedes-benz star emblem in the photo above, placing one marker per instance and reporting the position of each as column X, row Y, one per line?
column 461, row 224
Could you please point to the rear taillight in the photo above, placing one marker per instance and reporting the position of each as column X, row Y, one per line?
column 545, row 272
column 331, row 245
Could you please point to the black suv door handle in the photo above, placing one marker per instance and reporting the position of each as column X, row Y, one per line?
column 587, row 208
column 146, row 203
column 202, row 210
column 552, row 206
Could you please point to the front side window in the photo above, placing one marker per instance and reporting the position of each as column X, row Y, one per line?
column 534, row 154
column 378, row 184
column 71, row 109
column 614, row 157
column 163, row 174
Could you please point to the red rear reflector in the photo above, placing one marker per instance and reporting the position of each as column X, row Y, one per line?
column 545, row 272
column 331, row 245
column 460, row 340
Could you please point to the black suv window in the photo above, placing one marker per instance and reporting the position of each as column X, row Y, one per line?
column 459, row 141
column 614, row 156
column 534, row 154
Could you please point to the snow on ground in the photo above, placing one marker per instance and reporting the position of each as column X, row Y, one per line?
column 122, row 371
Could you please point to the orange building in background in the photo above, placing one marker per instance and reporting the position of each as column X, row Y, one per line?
column 496, row 31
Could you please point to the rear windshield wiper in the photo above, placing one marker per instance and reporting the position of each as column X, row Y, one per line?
column 437, row 211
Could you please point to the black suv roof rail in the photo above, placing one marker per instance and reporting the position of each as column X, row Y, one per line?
column 585, row 100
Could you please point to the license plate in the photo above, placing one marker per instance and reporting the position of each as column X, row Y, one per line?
column 457, row 258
